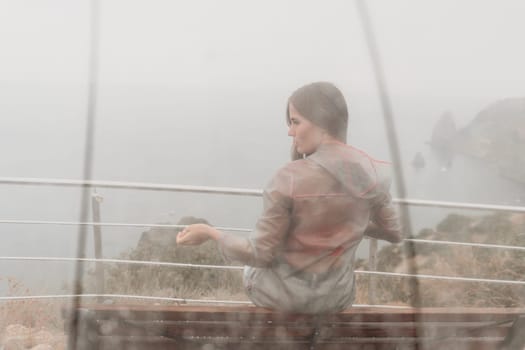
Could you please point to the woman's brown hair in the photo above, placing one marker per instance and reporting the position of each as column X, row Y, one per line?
column 323, row 104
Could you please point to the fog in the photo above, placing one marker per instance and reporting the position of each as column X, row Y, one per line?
column 194, row 93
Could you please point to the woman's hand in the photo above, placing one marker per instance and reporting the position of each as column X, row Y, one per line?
column 197, row 234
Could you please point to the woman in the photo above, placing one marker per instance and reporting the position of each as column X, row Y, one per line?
column 300, row 258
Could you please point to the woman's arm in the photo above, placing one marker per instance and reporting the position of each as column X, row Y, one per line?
column 384, row 222
column 374, row 231
column 197, row 234
column 262, row 246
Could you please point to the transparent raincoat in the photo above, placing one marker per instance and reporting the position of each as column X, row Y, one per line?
column 300, row 257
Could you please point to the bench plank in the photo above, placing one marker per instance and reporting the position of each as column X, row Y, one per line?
column 248, row 327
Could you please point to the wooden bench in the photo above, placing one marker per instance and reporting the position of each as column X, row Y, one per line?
column 137, row 327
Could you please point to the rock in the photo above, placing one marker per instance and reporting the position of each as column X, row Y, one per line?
column 16, row 330
column 444, row 131
column 497, row 136
column 419, row 161
column 16, row 336
column 463, row 261
column 159, row 244
column 19, row 337
column 14, row 343
column 59, row 342
column 41, row 337
column 165, row 237
column 42, row 347
column 518, row 219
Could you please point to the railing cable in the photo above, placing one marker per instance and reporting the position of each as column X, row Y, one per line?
column 437, row 277
column 126, row 296
column 228, row 267
column 235, row 191
column 237, row 229
column 112, row 224
column 122, row 261
column 177, row 300
column 130, row 186
column 466, row 244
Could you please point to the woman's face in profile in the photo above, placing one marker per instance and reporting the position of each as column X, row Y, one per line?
column 306, row 135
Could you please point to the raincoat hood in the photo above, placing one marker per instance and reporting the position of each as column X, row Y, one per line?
column 361, row 175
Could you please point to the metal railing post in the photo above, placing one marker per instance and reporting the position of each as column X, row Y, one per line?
column 96, row 199
column 372, row 266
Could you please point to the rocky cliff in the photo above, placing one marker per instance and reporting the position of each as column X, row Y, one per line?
column 159, row 244
column 496, row 135
column 461, row 261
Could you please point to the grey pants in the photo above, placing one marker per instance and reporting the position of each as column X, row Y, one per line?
column 282, row 288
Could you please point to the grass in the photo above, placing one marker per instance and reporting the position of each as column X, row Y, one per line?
column 29, row 322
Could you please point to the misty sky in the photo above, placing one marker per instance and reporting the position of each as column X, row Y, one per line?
column 464, row 54
column 443, row 47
